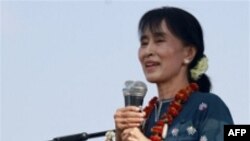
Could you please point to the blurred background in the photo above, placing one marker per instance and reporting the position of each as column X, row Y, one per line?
column 64, row 63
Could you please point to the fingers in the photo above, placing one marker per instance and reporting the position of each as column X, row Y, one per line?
column 128, row 135
column 128, row 117
column 131, row 108
column 133, row 134
column 129, row 112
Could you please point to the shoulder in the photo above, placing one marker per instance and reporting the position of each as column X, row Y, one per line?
column 211, row 101
column 209, row 98
column 206, row 103
column 209, row 104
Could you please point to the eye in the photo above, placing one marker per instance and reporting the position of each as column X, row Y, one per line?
column 159, row 40
column 144, row 43
column 144, row 40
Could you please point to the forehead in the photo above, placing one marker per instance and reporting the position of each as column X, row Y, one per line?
column 159, row 29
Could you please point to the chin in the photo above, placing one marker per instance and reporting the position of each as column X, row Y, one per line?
column 152, row 79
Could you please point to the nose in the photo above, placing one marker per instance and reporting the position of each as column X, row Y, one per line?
column 149, row 50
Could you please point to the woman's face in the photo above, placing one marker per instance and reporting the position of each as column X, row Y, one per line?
column 162, row 55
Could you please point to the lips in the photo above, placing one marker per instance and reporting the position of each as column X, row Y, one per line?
column 151, row 65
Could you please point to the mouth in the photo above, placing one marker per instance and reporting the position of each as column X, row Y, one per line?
column 151, row 65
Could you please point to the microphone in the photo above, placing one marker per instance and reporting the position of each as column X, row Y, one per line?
column 134, row 93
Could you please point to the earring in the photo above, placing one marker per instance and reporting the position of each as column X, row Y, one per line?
column 186, row 61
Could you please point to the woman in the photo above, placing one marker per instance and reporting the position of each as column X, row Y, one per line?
column 172, row 56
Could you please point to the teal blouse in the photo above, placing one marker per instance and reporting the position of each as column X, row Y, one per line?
column 202, row 119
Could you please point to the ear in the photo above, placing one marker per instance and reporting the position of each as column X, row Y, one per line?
column 189, row 54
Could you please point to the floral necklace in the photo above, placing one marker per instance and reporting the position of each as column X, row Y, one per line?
column 159, row 130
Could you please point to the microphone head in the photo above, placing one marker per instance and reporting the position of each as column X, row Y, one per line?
column 134, row 92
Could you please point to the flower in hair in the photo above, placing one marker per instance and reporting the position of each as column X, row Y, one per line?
column 200, row 68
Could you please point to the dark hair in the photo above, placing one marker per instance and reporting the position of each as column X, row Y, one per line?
column 185, row 27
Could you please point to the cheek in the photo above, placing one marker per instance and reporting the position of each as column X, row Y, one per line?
column 170, row 59
column 170, row 53
column 140, row 54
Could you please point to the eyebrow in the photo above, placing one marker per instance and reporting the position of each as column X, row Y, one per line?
column 155, row 35
column 160, row 34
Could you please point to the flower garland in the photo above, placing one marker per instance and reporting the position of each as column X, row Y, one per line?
column 159, row 130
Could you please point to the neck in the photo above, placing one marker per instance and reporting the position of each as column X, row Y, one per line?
column 168, row 90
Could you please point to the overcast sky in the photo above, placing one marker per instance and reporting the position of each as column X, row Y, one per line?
column 64, row 63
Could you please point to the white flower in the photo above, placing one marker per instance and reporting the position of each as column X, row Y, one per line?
column 175, row 132
column 110, row 135
column 200, row 68
column 203, row 138
column 191, row 130
column 202, row 106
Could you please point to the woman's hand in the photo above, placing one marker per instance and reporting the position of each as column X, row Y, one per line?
column 127, row 117
column 133, row 134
